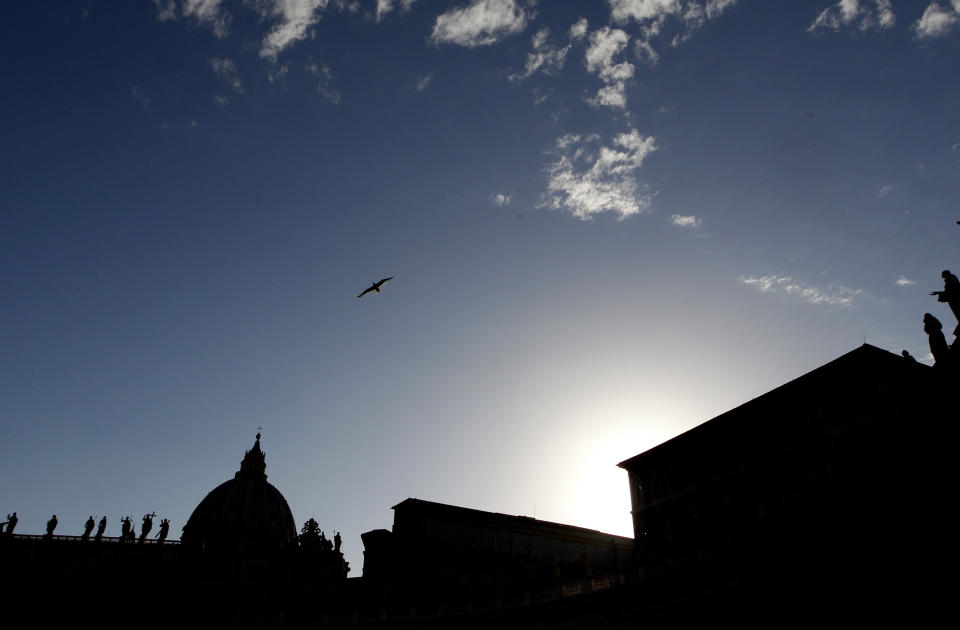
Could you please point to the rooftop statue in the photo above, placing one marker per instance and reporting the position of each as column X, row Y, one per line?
column 51, row 525
column 11, row 523
column 102, row 527
column 950, row 295
column 938, row 344
column 126, row 529
column 147, row 526
column 88, row 527
column 164, row 530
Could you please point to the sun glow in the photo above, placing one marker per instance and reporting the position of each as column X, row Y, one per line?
column 596, row 490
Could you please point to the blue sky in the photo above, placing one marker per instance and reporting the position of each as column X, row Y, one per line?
column 607, row 223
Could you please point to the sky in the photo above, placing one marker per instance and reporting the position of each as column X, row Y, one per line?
column 606, row 223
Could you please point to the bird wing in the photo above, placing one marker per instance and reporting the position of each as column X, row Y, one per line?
column 365, row 291
column 381, row 283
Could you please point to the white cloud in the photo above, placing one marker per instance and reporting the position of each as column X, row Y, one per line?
column 278, row 75
column 290, row 19
column 937, row 20
column 688, row 222
column 208, row 13
column 324, row 85
column 904, row 281
column 831, row 295
column 546, row 57
column 640, row 10
column 226, row 69
column 319, row 71
column 329, row 93
column 140, row 98
column 386, row 6
column 501, row 199
column 543, row 56
column 606, row 44
column 584, row 182
column 480, row 23
column 613, row 95
column 866, row 15
column 688, row 16
column 166, row 9
column 221, row 101
column 579, row 29
column 540, row 95
column 884, row 191
column 424, row 81
column 294, row 18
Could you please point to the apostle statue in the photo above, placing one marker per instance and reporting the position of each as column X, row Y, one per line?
column 950, row 295
column 88, row 527
column 938, row 344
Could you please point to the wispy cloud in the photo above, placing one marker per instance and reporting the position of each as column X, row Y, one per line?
column 207, row 13
column 653, row 16
column 479, row 23
column 226, row 69
column 140, row 98
column 585, row 180
column 293, row 17
column 865, row 15
column 937, row 20
column 688, row 222
column 579, row 29
column 221, row 101
column 500, row 199
column 606, row 44
column 386, row 6
column 543, row 56
column 884, row 191
column 279, row 74
column 550, row 58
column 831, row 295
column 904, row 281
column 424, row 81
column 325, row 83
column 289, row 20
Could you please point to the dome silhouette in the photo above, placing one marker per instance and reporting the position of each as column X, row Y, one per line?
column 245, row 512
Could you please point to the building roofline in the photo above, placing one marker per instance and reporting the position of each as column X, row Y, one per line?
column 860, row 353
column 517, row 520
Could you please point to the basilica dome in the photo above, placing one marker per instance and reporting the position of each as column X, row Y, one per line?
column 245, row 512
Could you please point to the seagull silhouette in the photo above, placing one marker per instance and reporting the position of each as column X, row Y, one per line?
column 375, row 287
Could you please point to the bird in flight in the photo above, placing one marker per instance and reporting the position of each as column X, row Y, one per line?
column 375, row 287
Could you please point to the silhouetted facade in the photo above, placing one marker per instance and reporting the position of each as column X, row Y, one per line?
column 240, row 562
column 822, row 499
column 443, row 559
column 824, row 502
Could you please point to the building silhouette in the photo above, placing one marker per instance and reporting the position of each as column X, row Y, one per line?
column 824, row 501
